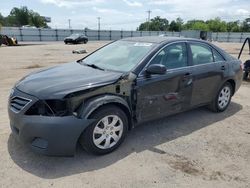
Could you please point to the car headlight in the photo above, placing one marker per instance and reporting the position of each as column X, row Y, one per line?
column 49, row 108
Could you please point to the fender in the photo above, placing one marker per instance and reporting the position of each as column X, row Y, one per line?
column 93, row 103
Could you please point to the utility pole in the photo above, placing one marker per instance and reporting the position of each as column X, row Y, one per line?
column 149, row 12
column 69, row 24
column 99, row 24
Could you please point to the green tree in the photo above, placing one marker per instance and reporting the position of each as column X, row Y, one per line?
column 196, row 25
column 216, row 25
column 245, row 26
column 36, row 20
column 176, row 25
column 19, row 16
column 233, row 26
column 179, row 23
column 200, row 26
column 2, row 19
column 23, row 16
column 173, row 26
column 155, row 24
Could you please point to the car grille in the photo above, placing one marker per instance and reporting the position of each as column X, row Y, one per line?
column 18, row 103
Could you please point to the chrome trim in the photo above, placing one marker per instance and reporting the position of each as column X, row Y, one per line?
column 12, row 92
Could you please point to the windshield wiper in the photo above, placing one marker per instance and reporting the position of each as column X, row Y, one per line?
column 94, row 66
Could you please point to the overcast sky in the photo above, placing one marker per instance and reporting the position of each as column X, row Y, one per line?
column 128, row 14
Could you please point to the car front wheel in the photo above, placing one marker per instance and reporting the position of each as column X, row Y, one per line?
column 85, row 41
column 223, row 98
column 107, row 132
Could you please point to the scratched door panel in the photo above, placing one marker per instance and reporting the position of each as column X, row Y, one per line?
column 162, row 95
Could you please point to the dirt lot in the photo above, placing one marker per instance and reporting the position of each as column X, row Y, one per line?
column 193, row 149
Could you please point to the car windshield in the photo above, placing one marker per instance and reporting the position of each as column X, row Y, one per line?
column 75, row 35
column 119, row 56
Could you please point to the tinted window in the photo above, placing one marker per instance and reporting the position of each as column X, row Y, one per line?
column 201, row 54
column 173, row 56
column 217, row 56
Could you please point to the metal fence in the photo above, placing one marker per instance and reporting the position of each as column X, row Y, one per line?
column 30, row 34
column 230, row 37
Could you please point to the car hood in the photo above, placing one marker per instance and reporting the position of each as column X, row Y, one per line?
column 56, row 82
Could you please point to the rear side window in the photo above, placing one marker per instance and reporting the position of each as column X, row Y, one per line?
column 217, row 56
column 172, row 56
column 201, row 54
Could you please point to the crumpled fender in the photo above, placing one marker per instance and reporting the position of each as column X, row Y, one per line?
column 92, row 104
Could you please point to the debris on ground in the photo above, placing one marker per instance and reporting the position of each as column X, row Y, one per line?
column 8, row 41
column 79, row 51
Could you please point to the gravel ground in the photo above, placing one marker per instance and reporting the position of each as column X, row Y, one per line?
column 197, row 148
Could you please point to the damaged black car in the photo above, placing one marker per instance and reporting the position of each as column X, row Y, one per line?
column 95, row 101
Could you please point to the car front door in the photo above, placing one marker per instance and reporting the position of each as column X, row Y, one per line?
column 208, row 68
column 161, row 95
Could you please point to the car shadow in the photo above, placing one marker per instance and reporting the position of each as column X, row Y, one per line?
column 143, row 137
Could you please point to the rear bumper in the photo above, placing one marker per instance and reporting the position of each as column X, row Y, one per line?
column 238, row 80
column 46, row 135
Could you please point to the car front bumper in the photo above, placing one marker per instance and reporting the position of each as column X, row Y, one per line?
column 69, row 40
column 47, row 135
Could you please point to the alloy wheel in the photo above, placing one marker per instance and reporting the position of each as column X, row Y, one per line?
column 107, row 132
column 224, row 97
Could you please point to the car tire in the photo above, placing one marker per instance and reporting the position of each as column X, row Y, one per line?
column 85, row 41
column 66, row 42
column 245, row 75
column 107, row 132
column 222, row 99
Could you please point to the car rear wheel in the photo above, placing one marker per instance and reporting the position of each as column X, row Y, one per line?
column 85, row 41
column 107, row 132
column 222, row 99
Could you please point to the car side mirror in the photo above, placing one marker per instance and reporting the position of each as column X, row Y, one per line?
column 156, row 69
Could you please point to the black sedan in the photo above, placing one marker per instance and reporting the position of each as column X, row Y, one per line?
column 96, row 100
column 76, row 38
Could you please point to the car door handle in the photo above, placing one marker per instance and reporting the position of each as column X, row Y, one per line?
column 187, row 79
column 188, row 74
column 223, row 67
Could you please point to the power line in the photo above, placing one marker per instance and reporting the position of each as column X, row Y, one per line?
column 149, row 12
column 69, row 24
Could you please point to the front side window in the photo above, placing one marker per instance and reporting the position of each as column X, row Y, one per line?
column 201, row 54
column 172, row 56
column 120, row 55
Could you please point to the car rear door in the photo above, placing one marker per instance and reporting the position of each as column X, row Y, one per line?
column 161, row 95
column 208, row 68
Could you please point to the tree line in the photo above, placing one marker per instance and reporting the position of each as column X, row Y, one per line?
column 214, row 25
column 22, row 16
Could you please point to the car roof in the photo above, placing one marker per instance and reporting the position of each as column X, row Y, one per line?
column 158, row 39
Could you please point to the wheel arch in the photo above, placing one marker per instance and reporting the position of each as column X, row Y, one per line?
column 232, row 82
column 95, row 103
